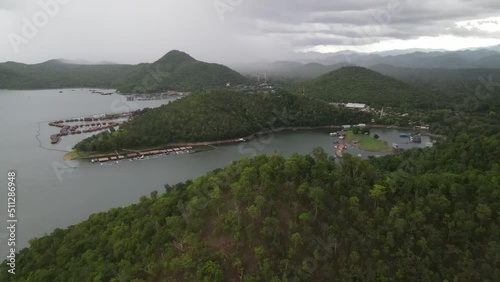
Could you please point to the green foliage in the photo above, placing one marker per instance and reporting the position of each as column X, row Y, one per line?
column 469, row 90
column 366, row 142
column 419, row 215
column 175, row 71
column 178, row 71
column 360, row 85
column 55, row 74
column 219, row 115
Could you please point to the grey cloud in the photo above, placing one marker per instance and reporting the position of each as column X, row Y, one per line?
column 363, row 22
column 132, row 31
column 10, row 4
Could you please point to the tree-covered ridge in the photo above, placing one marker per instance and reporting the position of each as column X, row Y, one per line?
column 462, row 89
column 423, row 215
column 360, row 85
column 174, row 71
column 54, row 74
column 177, row 70
column 220, row 115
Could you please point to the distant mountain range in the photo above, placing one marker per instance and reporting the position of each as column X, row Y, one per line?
column 174, row 71
column 310, row 65
column 55, row 74
column 84, row 62
column 179, row 71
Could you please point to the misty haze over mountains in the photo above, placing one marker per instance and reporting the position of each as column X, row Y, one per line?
column 313, row 64
column 302, row 66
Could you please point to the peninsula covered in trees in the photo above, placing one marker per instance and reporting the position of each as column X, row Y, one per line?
column 219, row 115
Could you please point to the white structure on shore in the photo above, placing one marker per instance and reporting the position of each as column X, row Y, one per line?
column 355, row 106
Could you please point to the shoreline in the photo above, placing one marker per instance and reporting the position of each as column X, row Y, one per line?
column 75, row 155
column 424, row 133
column 69, row 156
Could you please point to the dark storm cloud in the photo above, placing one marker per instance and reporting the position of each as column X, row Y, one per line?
column 132, row 31
column 309, row 23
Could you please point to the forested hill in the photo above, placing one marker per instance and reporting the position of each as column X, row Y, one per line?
column 174, row 71
column 423, row 215
column 179, row 71
column 220, row 115
column 55, row 74
column 454, row 86
column 360, row 85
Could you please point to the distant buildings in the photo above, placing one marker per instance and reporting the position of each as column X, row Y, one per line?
column 356, row 106
column 353, row 106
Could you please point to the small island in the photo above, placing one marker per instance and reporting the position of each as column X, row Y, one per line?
column 359, row 139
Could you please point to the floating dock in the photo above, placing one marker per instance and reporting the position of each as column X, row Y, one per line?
column 416, row 138
column 340, row 150
column 141, row 155
column 87, row 125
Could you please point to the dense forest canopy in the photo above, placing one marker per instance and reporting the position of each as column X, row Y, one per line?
column 453, row 86
column 174, row 71
column 55, row 74
column 178, row 71
column 360, row 85
column 419, row 215
column 220, row 115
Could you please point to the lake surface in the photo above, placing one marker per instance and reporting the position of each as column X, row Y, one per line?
column 53, row 193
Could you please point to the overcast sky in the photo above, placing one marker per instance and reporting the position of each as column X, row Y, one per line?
column 229, row 31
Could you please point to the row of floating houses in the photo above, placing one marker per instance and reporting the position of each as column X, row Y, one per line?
column 93, row 124
column 97, row 118
column 79, row 129
column 164, row 152
column 161, row 96
column 101, row 93
column 142, row 155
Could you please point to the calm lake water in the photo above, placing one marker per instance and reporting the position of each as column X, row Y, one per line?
column 53, row 193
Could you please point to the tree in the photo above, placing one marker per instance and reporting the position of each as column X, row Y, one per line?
column 365, row 130
column 355, row 130
column 377, row 193
column 316, row 194
column 211, row 272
